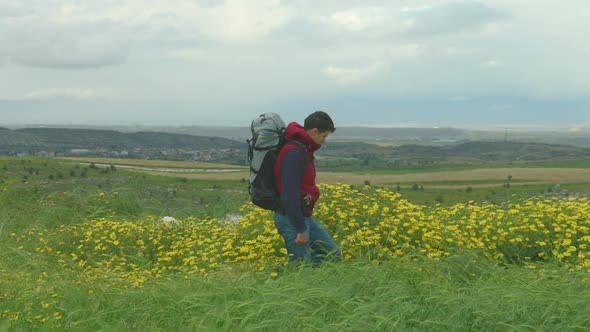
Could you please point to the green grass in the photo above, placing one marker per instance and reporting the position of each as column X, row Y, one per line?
column 461, row 293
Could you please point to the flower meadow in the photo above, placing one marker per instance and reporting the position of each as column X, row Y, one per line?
column 369, row 224
column 375, row 224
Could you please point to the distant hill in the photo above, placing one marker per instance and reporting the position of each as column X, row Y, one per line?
column 341, row 133
column 143, row 145
column 403, row 134
column 351, row 151
column 516, row 151
column 12, row 138
column 94, row 138
column 473, row 151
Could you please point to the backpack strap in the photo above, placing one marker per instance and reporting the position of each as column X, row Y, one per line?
column 302, row 148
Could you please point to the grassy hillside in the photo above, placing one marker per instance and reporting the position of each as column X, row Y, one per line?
column 36, row 179
column 13, row 138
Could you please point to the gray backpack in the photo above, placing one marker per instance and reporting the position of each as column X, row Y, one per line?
column 268, row 137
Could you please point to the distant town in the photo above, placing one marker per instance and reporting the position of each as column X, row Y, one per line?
column 142, row 153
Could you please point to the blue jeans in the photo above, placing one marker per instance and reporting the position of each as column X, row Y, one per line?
column 320, row 246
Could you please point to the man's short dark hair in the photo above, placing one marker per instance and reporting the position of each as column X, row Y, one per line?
column 320, row 120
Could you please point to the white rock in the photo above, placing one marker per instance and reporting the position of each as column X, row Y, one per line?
column 169, row 219
column 231, row 219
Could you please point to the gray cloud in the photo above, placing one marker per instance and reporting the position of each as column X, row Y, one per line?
column 390, row 23
column 97, row 34
column 182, row 60
column 66, row 58
column 8, row 10
column 40, row 43
column 80, row 94
column 450, row 18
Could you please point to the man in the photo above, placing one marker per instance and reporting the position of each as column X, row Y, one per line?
column 305, row 238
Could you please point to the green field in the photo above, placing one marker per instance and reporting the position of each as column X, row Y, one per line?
column 56, row 245
column 422, row 185
column 467, row 166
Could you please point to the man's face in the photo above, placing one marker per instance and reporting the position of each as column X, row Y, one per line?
column 319, row 137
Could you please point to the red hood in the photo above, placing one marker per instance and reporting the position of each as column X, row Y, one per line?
column 296, row 132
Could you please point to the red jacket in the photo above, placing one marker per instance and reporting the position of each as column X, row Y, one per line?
column 309, row 192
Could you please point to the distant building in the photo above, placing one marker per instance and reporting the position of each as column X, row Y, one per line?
column 79, row 151
column 45, row 154
column 123, row 153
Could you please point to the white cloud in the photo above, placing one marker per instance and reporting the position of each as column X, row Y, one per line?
column 356, row 24
column 356, row 19
column 354, row 75
column 242, row 21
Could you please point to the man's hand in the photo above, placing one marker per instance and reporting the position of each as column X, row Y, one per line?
column 302, row 238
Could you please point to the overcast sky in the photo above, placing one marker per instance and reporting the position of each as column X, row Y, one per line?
column 381, row 63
